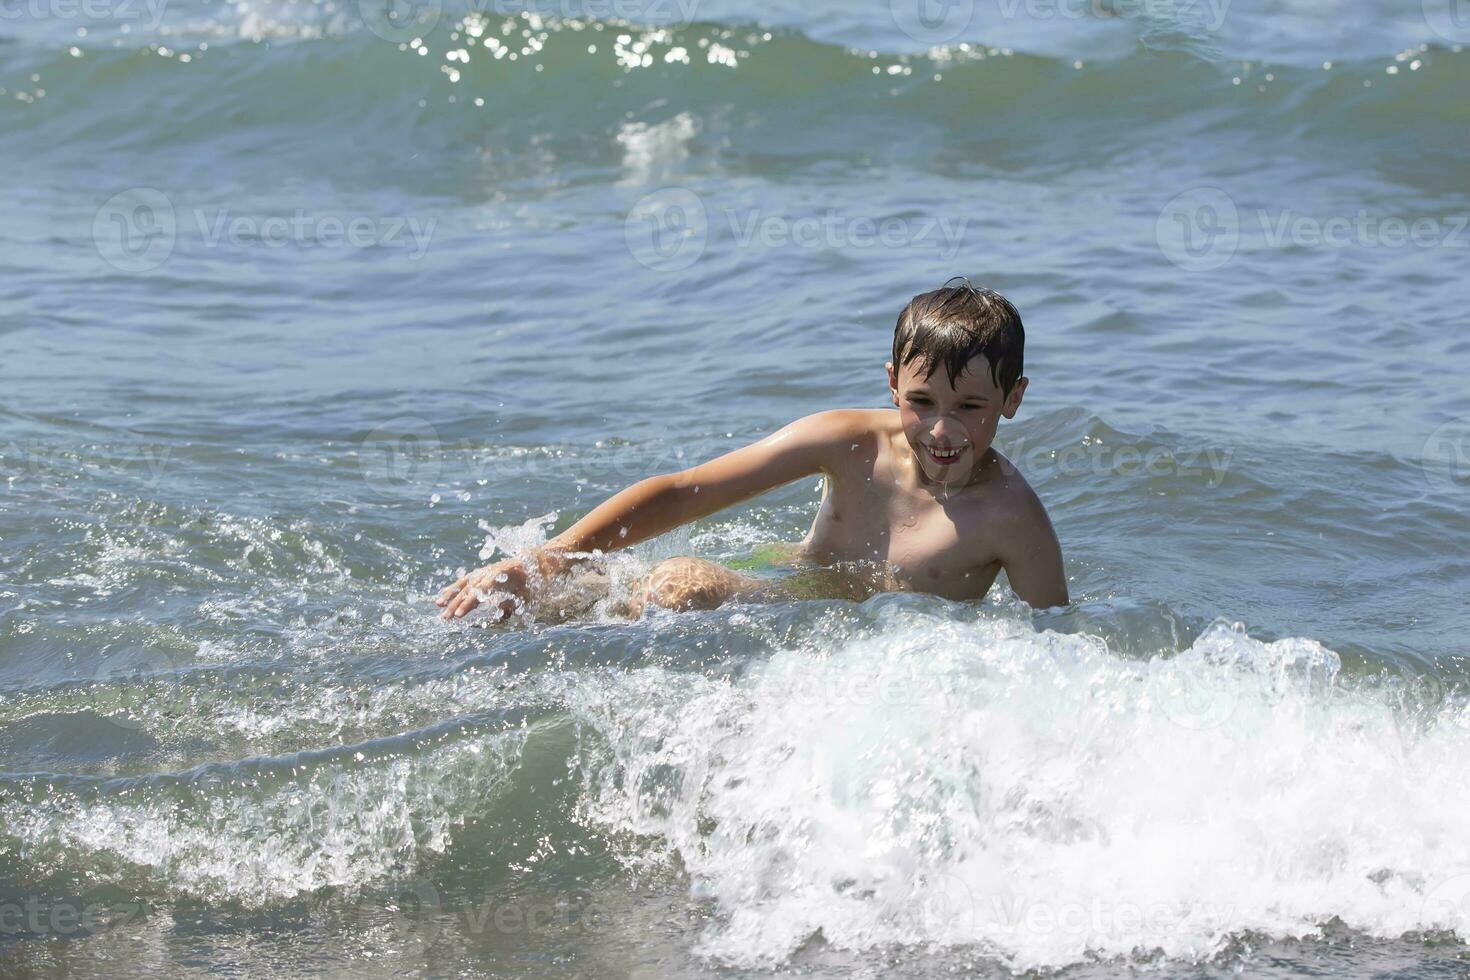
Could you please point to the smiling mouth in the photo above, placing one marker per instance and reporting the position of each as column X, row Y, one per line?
column 945, row 457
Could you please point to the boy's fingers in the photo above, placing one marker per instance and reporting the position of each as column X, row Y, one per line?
column 455, row 605
column 467, row 599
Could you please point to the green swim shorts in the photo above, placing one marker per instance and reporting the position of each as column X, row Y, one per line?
column 791, row 576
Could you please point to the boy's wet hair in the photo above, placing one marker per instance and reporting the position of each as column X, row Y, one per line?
column 953, row 324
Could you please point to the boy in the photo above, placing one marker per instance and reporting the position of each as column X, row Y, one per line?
column 913, row 499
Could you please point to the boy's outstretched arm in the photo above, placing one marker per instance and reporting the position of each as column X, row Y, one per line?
column 658, row 504
column 1032, row 557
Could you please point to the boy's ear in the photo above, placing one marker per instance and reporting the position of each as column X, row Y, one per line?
column 892, row 383
column 1013, row 399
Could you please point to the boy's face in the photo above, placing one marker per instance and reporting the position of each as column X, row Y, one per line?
column 950, row 427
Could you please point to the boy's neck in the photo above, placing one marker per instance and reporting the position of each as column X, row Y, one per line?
column 917, row 481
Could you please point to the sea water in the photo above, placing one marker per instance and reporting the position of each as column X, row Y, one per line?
column 307, row 305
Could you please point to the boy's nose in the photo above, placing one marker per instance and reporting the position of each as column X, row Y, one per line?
column 947, row 433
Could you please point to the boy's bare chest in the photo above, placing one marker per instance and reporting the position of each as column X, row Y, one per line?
column 929, row 546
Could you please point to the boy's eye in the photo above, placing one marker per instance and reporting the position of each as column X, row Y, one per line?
column 922, row 400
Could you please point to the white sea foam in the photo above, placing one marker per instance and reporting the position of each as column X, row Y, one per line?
column 264, row 838
column 1036, row 795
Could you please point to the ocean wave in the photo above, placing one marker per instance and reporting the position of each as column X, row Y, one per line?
column 501, row 83
column 259, row 832
column 1113, row 781
column 953, row 782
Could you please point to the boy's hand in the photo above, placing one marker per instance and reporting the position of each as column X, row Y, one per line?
column 503, row 576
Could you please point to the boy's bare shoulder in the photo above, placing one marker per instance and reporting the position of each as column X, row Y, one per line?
column 852, row 421
column 857, row 423
column 1011, row 487
column 842, row 427
column 839, row 439
column 1017, row 502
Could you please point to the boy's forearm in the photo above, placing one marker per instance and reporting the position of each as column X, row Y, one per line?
column 644, row 510
column 653, row 506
